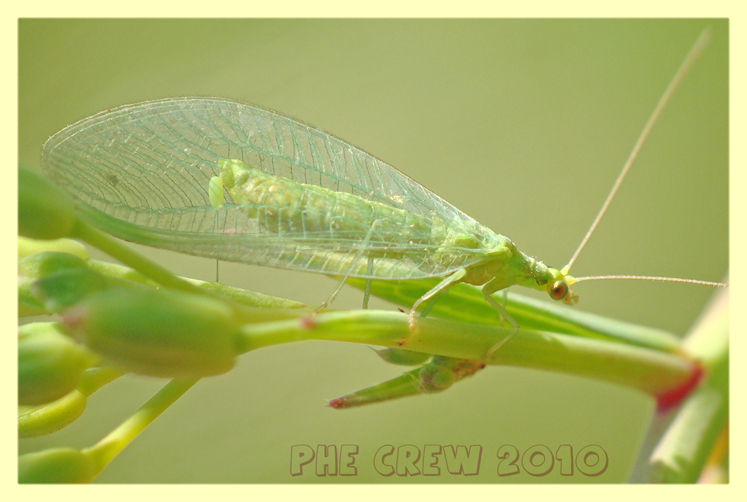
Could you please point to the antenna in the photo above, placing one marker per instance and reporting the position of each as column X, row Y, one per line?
column 648, row 278
column 700, row 44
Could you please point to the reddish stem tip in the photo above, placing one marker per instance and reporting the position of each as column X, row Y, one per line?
column 672, row 398
column 338, row 403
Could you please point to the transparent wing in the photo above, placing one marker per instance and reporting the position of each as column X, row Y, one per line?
column 142, row 173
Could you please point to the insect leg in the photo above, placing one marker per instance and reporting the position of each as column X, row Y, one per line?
column 487, row 290
column 331, row 298
column 367, row 292
column 367, row 289
column 429, row 306
column 369, row 268
column 505, row 302
column 441, row 286
column 216, row 195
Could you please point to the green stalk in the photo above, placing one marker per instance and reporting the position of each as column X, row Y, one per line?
column 162, row 276
column 105, row 450
column 115, row 249
column 242, row 296
column 465, row 303
column 649, row 370
column 684, row 448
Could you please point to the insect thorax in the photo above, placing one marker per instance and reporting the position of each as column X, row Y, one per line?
column 505, row 266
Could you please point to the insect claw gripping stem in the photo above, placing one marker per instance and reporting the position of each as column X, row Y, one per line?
column 331, row 298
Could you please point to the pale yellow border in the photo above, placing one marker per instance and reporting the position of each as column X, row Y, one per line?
column 295, row 8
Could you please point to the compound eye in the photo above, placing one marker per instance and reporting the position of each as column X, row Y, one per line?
column 559, row 290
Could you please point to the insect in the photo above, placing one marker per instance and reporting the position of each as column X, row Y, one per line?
column 227, row 180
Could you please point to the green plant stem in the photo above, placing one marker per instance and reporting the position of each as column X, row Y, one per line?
column 95, row 378
column 242, row 296
column 465, row 303
column 105, row 450
column 113, row 248
column 684, row 448
column 649, row 370
column 162, row 276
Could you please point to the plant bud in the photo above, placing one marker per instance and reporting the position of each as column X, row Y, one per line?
column 28, row 303
column 157, row 332
column 35, row 421
column 44, row 210
column 58, row 465
column 67, row 287
column 434, row 378
column 47, row 263
column 27, row 247
column 49, row 363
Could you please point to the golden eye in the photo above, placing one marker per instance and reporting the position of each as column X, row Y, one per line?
column 559, row 290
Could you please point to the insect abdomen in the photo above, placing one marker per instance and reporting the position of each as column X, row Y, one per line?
column 285, row 207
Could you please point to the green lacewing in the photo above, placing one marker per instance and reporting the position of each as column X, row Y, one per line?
column 223, row 179
column 296, row 197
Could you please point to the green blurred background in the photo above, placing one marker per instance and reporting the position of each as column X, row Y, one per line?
column 522, row 124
